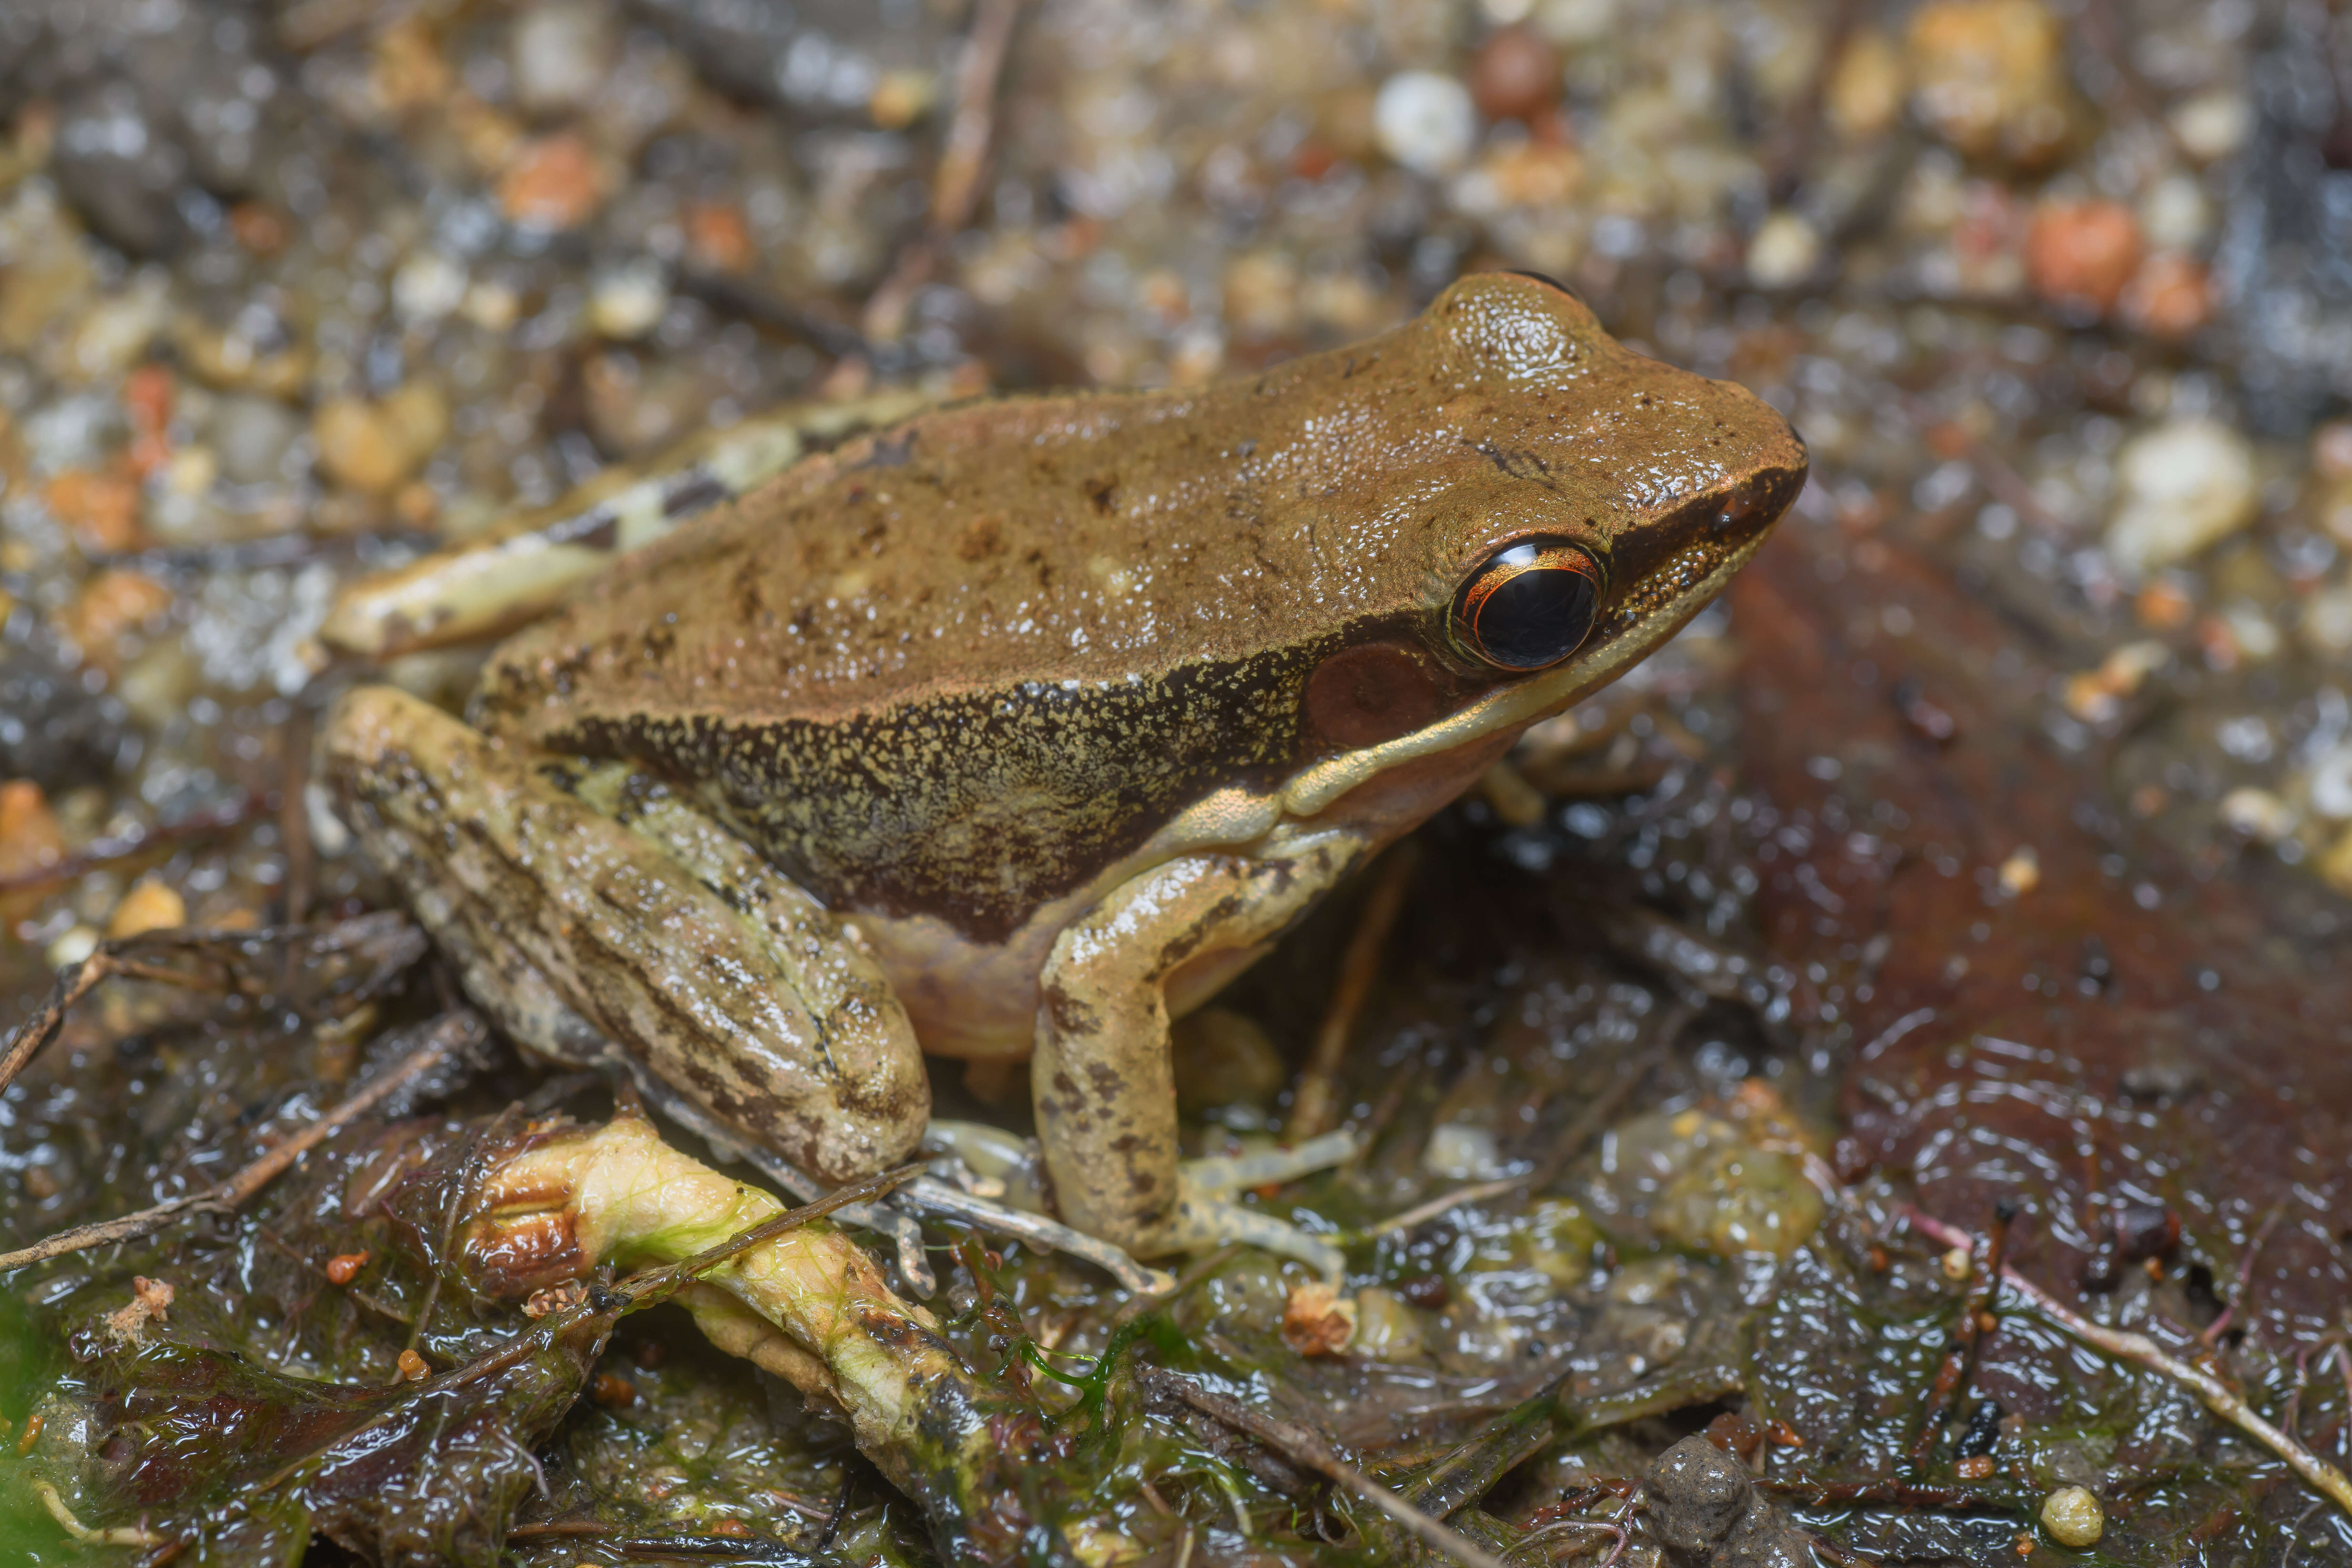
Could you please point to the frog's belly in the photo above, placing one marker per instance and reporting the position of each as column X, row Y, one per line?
column 966, row 999
column 978, row 1001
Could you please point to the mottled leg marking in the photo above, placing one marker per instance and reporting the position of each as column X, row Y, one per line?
column 590, row 905
column 1105, row 1093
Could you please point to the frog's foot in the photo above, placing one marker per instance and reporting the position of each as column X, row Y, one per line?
column 987, row 1172
column 1206, row 1217
column 987, row 1178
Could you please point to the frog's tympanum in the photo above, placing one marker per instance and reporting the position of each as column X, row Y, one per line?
column 1018, row 728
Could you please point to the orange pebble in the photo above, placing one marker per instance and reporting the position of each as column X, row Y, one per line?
column 2082, row 254
column 101, row 509
column 344, row 1267
column 553, row 183
column 612, row 1389
column 1975, row 1467
column 412, row 1367
column 30, row 838
column 718, row 236
column 2169, row 297
column 147, row 398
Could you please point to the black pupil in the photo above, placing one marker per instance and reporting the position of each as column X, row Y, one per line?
column 1536, row 618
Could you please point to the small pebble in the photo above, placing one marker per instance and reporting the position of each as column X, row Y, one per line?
column 251, row 436
column 412, row 1367
column 1386, row 1328
column 1958, row 1264
column 2331, row 450
column 374, row 446
column 150, row 905
column 2021, row 872
column 1516, row 74
column 2185, row 484
column 628, row 300
column 902, row 97
column 1989, row 77
column 77, row 943
column 344, row 1267
column 2080, row 255
column 2326, row 625
column 100, row 506
column 1784, row 253
column 553, row 184
column 562, row 52
column 2073, row 1518
column 2329, row 784
column 112, row 606
column 2257, row 813
column 2213, row 125
column 2336, row 866
column 1461, row 1151
column 30, row 838
column 429, row 286
column 1425, row 122
column 1866, row 93
column 2171, row 296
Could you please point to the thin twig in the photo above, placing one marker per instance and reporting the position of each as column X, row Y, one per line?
column 102, row 852
column 1315, row 1108
column 1835, row 1556
column 955, row 185
column 2221, row 1325
column 1901, row 1494
column 1305, row 1448
column 452, row 1032
column 1958, row 1366
column 2217, row 1395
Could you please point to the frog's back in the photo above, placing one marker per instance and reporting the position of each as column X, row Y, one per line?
column 959, row 666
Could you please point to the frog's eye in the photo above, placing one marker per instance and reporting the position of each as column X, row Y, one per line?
column 1530, row 603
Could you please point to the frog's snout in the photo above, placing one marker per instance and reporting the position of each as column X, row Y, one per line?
column 1757, row 501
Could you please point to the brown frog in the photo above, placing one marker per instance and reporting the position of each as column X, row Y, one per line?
column 1018, row 728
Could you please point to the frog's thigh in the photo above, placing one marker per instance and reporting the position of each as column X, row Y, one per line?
column 612, row 908
column 1105, row 1093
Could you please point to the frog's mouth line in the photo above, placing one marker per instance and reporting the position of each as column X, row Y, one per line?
column 1313, row 789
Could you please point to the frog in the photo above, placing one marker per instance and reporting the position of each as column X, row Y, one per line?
column 1017, row 728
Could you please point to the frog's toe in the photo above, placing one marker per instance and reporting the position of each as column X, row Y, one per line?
column 1205, row 1217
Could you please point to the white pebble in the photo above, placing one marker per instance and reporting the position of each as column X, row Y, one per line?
column 2185, row 484
column 2257, row 813
column 628, row 300
column 1425, row 122
column 562, row 52
column 77, row 943
column 2213, row 125
column 1784, row 252
column 429, row 286
column 2073, row 1518
column 2330, row 783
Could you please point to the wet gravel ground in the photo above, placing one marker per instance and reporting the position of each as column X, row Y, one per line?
column 2059, row 294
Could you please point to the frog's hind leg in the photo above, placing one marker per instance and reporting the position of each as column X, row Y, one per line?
column 590, row 908
column 1104, row 1089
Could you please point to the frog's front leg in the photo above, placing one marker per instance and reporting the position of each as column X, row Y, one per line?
column 593, row 909
column 1103, row 1086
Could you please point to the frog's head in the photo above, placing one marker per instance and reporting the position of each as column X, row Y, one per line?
column 1578, row 502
